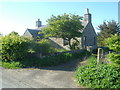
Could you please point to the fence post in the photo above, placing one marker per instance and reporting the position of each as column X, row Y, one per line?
column 99, row 55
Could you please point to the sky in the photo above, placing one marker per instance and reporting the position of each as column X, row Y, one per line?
column 119, row 12
column 18, row 16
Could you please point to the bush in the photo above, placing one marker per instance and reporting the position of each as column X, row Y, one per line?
column 14, row 47
column 115, row 58
column 51, row 60
column 33, row 61
column 11, row 65
column 98, row 76
column 114, row 44
column 43, row 46
column 92, row 60
column 0, row 46
column 59, row 50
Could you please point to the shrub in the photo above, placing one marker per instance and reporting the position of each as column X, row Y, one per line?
column 11, row 65
column 92, row 60
column 59, row 50
column 44, row 47
column 14, row 47
column 0, row 46
column 33, row 61
column 114, row 44
column 51, row 60
column 98, row 76
column 115, row 58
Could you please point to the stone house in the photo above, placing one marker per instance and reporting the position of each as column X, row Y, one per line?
column 89, row 38
column 87, row 41
column 34, row 33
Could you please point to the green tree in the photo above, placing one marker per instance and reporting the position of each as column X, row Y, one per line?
column 14, row 47
column 64, row 26
column 113, row 43
column 13, row 33
column 106, row 30
column 0, row 45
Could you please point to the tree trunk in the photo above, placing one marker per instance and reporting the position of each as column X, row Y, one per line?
column 69, row 43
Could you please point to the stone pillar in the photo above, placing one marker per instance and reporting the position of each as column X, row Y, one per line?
column 99, row 55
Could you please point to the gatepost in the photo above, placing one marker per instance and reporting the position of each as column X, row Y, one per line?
column 99, row 55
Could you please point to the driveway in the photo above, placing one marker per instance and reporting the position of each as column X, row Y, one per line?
column 61, row 76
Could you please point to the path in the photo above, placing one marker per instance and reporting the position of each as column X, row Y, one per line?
column 61, row 76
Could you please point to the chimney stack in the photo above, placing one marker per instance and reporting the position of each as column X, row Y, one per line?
column 38, row 23
column 87, row 17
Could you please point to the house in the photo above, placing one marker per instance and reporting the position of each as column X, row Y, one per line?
column 34, row 33
column 88, row 40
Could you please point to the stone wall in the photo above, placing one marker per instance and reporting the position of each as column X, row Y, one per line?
column 59, row 43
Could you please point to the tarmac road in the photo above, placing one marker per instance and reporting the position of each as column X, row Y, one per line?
column 36, row 78
column 52, row 77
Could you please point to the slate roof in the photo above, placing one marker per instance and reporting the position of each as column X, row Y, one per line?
column 34, row 32
column 42, row 26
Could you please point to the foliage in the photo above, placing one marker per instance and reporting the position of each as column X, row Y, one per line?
column 13, row 33
column 11, row 65
column 0, row 45
column 59, row 50
column 43, row 47
column 75, row 44
column 106, row 30
column 92, row 60
column 52, row 60
column 115, row 58
column 13, row 47
column 64, row 26
column 33, row 61
column 114, row 44
column 98, row 76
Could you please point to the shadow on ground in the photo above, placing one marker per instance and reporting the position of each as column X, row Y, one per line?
column 69, row 66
